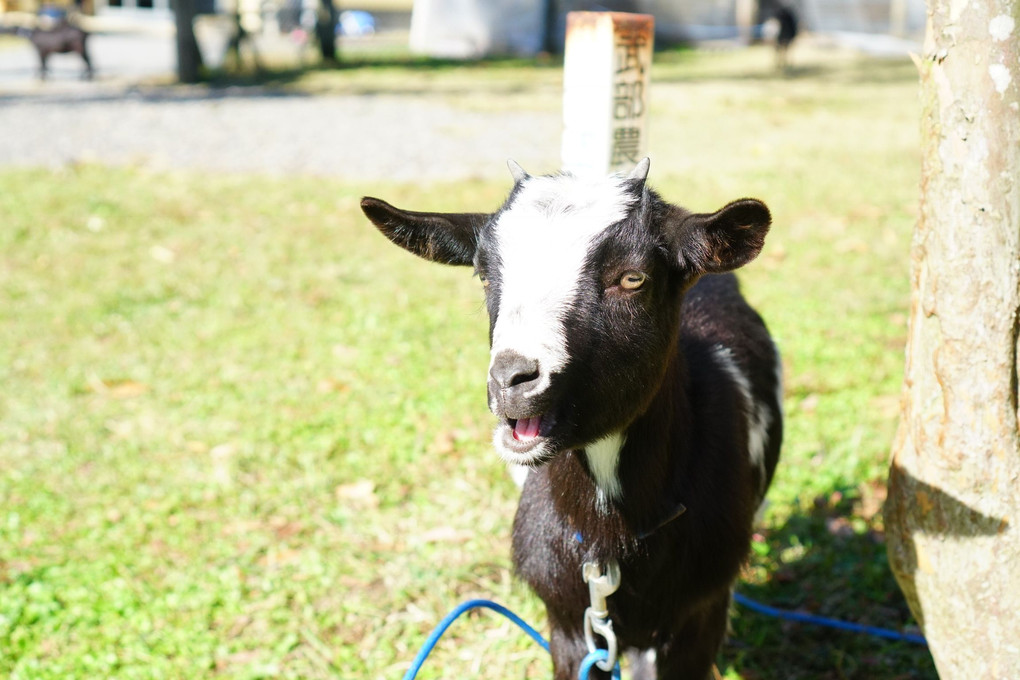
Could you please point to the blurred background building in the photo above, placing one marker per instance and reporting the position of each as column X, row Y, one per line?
column 476, row 28
column 465, row 28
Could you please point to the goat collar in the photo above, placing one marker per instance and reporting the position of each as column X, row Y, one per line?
column 673, row 514
column 677, row 510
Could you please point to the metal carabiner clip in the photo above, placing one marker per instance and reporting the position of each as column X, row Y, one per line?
column 596, row 616
column 601, row 586
column 596, row 625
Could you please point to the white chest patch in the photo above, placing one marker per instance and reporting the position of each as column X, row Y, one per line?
column 603, row 461
column 543, row 239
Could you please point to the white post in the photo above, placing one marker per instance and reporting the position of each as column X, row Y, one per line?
column 606, row 77
column 744, row 11
column 898, row 18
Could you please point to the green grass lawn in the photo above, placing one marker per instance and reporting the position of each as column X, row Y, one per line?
column 243, row 436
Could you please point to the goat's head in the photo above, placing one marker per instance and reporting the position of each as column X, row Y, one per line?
column 583, row 282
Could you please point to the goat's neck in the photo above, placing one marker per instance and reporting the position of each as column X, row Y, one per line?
column 611, row 497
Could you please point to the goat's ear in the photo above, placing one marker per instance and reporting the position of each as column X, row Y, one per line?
column 721, row 241
column 449, row 238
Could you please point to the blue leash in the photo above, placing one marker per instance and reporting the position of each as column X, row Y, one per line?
column 430, row 643
column 829, row 623
column 601, row 654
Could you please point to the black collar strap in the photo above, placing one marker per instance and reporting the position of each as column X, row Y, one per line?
column 678, row 510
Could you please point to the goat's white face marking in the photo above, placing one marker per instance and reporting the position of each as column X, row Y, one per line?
column 543, row 239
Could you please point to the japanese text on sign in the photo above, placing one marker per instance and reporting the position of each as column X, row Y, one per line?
column 628, row 94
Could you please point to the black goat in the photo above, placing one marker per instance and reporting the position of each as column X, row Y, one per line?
column 631, row 377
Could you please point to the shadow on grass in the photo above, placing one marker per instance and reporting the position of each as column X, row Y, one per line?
column 859, row 71
column 296, row 81
column 830, row 561
column 404, row 74
column 672, row 65
column 413, row 65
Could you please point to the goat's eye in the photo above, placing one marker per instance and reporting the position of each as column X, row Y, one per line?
column 632, row 280
column 484, row 279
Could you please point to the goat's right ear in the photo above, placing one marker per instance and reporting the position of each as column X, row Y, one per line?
column 448, row 238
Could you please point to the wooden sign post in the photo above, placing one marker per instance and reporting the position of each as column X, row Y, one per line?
column 606, row 76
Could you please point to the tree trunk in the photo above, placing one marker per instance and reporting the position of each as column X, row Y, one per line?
column 953, row 516
column 325, row 29
column 189, row 59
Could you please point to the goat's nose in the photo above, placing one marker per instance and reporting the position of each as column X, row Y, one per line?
column 510, row 369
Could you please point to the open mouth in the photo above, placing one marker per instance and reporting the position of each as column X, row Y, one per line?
column 526, row 429
column 525, row 441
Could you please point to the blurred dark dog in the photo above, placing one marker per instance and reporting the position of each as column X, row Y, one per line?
column 781, row 28
column 55, row 37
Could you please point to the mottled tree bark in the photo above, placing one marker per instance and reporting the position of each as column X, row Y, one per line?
column 953, row 516
column 189, row 59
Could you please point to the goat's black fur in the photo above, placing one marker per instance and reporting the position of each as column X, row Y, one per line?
column 686, row 369
column 689, row 447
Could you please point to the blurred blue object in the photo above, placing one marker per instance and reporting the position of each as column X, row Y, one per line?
column 53, row 13
column 354, row 22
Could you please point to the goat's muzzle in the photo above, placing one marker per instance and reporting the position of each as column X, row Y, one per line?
column 519, row 395
column 516, row 385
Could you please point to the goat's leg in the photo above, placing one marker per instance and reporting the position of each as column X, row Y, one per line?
column 568, row 650
column 781, row 63
column 88, row 63
column 642, row 664
column 81, row 46
column 691, row 651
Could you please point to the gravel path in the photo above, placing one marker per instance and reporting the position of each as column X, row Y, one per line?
column 374, row 137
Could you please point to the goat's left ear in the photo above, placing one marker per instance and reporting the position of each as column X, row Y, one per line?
column 448, row 238
column 721, row 241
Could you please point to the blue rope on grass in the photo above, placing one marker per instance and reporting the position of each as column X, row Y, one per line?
column 433, row 639
column 600, row 654
column 829, row 623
